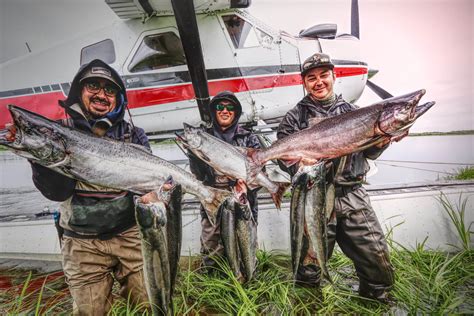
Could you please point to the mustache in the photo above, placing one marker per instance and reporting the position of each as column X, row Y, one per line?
column 99, row 99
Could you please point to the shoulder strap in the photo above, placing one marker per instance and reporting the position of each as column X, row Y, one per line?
column 67, row 122
column 303, row 117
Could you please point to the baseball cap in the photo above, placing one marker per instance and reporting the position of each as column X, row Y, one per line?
column 99, row 72
column 317, row 60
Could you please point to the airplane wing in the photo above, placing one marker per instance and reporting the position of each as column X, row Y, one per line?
column 131, row 9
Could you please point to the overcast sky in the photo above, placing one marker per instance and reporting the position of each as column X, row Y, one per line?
column 414, row 44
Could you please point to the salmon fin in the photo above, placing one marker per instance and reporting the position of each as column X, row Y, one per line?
column 278, row 195
column 212, row 208
column 254, row 166
column 290, row 162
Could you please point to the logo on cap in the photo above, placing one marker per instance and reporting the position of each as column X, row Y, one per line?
column 101, row 71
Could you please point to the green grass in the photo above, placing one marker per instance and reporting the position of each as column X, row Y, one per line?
column 427, row 282
column 466, row 173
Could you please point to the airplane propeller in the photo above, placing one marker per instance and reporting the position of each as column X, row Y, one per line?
column 378, row 90
column 355, row 32
column 188, row 31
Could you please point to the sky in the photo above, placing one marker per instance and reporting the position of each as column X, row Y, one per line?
column 414, row 44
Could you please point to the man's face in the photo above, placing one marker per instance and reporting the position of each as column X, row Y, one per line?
column 319, row 82
column 224, row 115
column 99, row 96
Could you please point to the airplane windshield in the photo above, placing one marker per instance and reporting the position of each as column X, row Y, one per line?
column 158, row 51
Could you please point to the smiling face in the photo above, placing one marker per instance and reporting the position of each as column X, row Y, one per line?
column 224, row 115
column 99, row 96
column 319, row 82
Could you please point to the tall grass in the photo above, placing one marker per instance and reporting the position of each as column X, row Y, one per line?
column 427, row 282
column 457, row 214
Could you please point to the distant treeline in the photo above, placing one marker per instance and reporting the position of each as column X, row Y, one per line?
column 465, row 132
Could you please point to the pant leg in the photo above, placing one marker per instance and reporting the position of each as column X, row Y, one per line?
column 87, row 268
column 211, row 242
column 361, row 238
column 126, row 247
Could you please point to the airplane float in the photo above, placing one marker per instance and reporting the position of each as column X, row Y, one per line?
column 174, row 54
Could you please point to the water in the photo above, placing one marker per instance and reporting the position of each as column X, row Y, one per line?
column 435, row 157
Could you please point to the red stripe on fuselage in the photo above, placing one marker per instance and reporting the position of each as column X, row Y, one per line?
column 46, row 104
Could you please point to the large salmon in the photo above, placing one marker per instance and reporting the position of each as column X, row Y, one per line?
column 99, row 160
column 229, row 160
column 343, row 134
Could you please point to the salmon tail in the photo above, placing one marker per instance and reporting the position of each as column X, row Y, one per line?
column 254, row 165
column 278, row 195
column 219, row 197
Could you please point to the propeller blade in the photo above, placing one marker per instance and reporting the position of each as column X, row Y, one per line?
column 378, row 90
column 355, row 19
column 189, row 33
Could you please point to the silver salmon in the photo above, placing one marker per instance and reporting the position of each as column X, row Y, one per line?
column 159, row 222
column 343, row 134
column 229, row 160
column 151, row 219
column 100, row 161
column 297, row 211
column 315, row 215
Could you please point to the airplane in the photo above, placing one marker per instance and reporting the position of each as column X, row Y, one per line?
column 174, row 54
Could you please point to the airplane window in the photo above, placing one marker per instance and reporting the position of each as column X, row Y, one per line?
column 264, row 39
column 240, row 31
column 101, row 50
column 158, row 51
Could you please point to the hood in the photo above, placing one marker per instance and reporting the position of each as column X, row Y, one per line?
column 228, row 96
column 74, row 96
column 228, row 134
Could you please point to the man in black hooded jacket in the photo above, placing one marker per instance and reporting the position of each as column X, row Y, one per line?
column 353, row 223
column 225, row 112
column 100, row 233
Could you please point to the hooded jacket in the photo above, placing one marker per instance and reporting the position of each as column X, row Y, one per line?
column 297, row 119
column 90, row 211
column 235, row 135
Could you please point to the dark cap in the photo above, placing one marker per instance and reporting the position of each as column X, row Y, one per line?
column 99, row 72
column 318, row 60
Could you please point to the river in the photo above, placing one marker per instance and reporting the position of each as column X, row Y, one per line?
column 414, row 159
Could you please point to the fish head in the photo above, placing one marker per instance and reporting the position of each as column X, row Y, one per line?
column 151, row 214
column 33, row 137
column 192, row 136
column 399, row 112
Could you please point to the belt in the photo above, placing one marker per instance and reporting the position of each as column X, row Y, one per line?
column 342, row 191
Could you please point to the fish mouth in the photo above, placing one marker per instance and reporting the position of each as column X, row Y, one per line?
column 8, row 136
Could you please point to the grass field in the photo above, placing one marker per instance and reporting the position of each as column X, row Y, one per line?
column 428, row 282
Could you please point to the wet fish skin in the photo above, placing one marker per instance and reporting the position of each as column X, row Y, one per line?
column 151, row 219
column 246, row 240
column 315, row 215
column 229, row 160
column 99, row 160
column 229, row 240
column 174, row 232
column 297, row 211
column 343, row 134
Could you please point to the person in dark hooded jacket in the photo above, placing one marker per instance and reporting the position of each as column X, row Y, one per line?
column 225, row 111
column 353, row 223
column 100, row 234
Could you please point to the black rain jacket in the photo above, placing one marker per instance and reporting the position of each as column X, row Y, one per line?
column 297, row 119
column 235, row 135
column 90, row 211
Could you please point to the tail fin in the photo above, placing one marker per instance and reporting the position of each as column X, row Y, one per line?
column 278, row 195
column 212, row 207
column 254, row 166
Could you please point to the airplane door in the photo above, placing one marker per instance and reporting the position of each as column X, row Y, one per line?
column 258, row 58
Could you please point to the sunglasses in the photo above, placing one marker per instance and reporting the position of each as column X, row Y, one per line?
column 221, row 107
column 95, row 87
